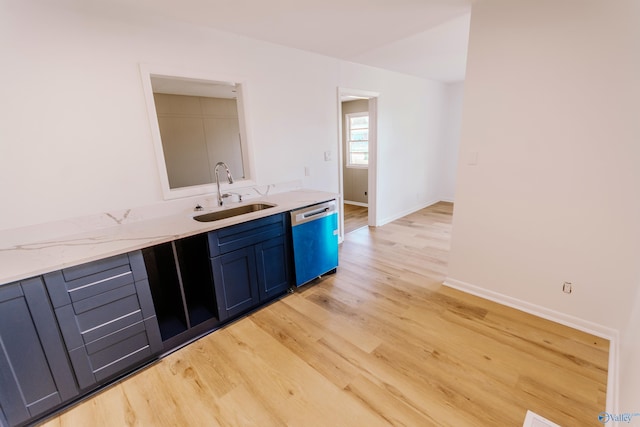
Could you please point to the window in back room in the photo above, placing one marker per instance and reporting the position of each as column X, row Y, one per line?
column 357, row 140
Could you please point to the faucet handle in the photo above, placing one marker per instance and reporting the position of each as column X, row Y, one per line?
column 223, row 198
column 231, row 193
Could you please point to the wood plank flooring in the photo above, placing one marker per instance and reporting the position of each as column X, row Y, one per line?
column 355, row 217
column 380, row 343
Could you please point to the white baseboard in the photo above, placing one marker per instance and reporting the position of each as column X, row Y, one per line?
column 561, row 318
column 349, row 202
column 406, row 212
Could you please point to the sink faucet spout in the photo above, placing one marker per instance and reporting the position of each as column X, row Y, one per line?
column 229, row 178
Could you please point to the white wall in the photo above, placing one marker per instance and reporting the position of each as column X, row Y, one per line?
column 552, row 100
column 75, row 138
column 452, row 121
column 409, row 137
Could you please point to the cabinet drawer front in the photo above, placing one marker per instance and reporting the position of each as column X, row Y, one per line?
column 246, row 234
column 124, row 363
column 89, row 326
column 94, row 302
column 98, row 283
column 8, row 292
column 111, row 327
column 115, row 337
column 74, row 273
column 63, row 292
column 113, row 354
column 97, row 318
column 110, row 361
column 93, row 278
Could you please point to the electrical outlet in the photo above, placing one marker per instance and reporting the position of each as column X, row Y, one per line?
column 567, row 287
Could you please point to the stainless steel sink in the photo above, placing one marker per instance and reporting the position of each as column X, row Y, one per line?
column 228, row 213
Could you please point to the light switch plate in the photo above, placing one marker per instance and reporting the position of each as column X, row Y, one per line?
column 473, row 158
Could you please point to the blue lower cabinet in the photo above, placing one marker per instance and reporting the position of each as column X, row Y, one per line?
column 250, row 264
column 272, row 263
column 236, row 283
column 84, row 326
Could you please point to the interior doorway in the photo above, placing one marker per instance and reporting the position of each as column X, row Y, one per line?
column 355, row 217
column 357, row 170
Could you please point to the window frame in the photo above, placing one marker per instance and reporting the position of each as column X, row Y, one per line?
column 348, row 140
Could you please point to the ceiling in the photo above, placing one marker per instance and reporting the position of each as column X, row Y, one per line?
column 426, row 38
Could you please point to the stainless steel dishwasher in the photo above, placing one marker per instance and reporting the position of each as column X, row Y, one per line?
column 315, row 240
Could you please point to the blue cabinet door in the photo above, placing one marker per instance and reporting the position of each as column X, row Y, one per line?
column 273, row 268
column 35, row 375
column 234, row 277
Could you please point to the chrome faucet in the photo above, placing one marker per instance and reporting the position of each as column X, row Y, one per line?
column 229, row 178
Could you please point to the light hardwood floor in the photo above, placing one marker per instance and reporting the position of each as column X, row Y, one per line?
column 355, row 217
column 379, row 343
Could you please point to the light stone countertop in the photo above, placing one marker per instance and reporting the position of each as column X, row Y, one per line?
column 23, row 259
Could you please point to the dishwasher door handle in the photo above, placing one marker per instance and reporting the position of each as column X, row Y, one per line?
column 314, row 213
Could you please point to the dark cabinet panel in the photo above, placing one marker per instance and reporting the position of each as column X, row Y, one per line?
column 234, row 276
column 246, row 234
column 250, row 264
column 273, row 268
column 106, row 315
column 64, row 292
column 66, row 333
column 88, row 269
column 35, row 375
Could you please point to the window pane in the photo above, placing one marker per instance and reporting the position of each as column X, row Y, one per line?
column 358, row 141
column 359, row 146
column 359, row 122
column 359, row 135
column 360, row 159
